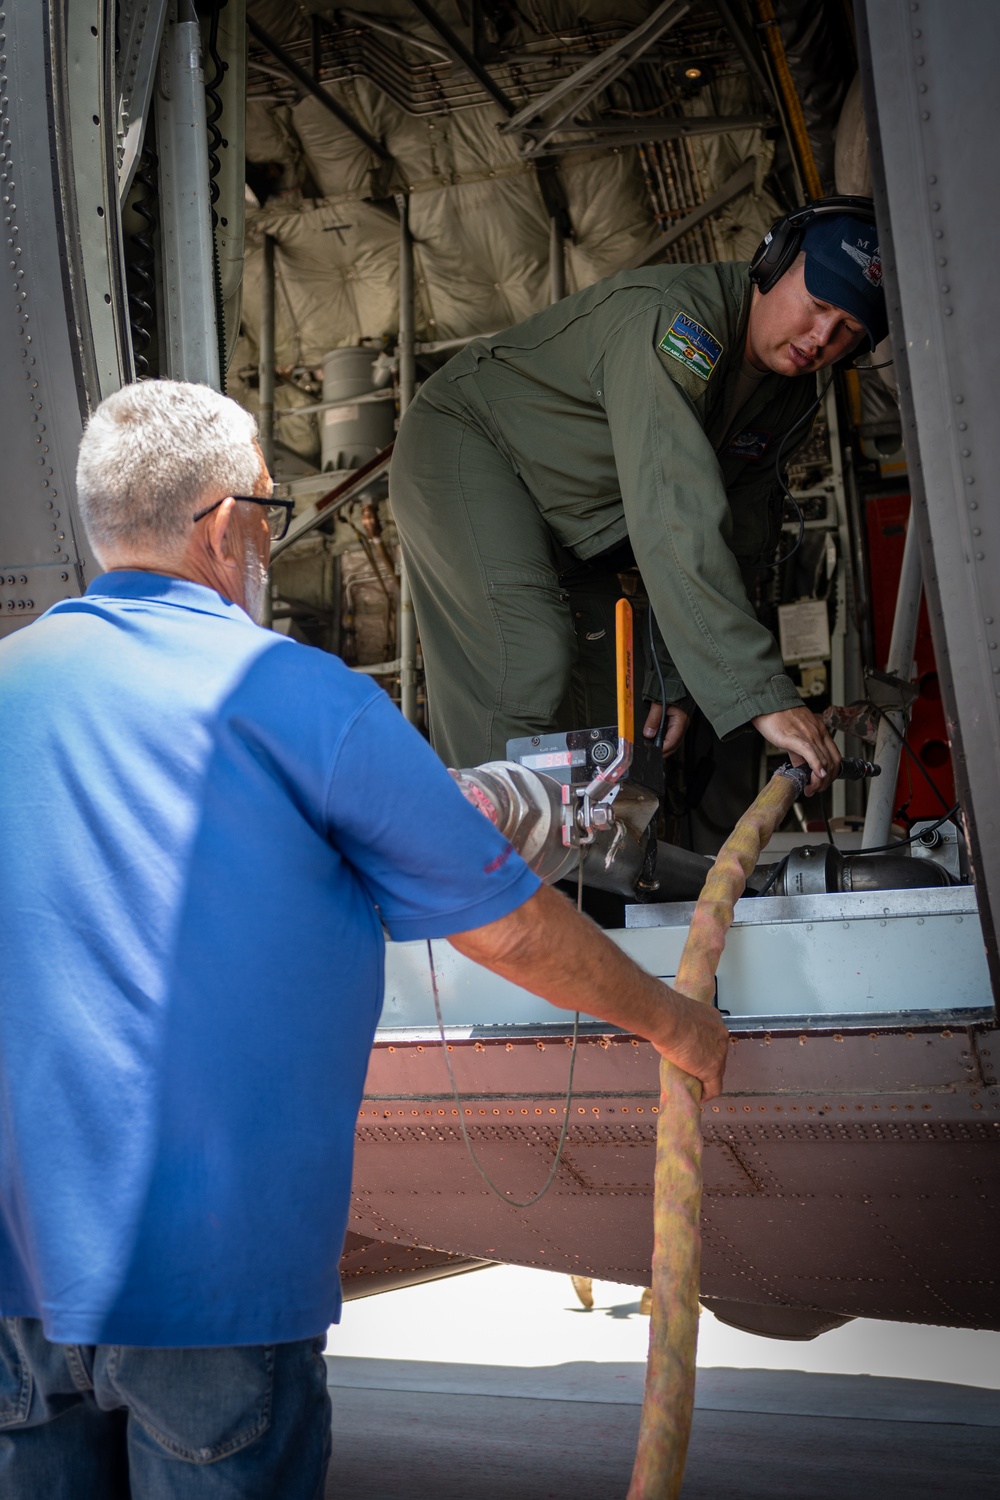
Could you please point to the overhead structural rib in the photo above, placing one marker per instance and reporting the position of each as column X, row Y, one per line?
column 591, row 79
column 659, row 128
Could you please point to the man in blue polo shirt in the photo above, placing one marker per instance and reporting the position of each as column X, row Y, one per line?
column 212, row 826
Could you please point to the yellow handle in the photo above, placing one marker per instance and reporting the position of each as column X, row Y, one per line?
column 625, row 671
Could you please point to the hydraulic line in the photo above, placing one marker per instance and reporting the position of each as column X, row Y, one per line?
column 142, row 262
column 790, row 98
column 213, row 113
column 673, row 1336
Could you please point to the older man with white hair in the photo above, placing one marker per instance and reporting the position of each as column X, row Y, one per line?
column 208, row 826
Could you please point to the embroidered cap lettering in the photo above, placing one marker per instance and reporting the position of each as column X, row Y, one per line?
column 871, row 264
column 686, row 341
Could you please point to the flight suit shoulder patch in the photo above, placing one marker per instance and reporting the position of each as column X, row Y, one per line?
column 692, row 345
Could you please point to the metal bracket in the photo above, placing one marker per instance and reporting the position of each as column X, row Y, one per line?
column 659, row 128
column 890, row 693
column 142, row 25
column 584, row 815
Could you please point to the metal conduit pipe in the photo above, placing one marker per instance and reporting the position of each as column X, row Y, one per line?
column 892, row 727
column 192, row 339
column 557, row 262
column 407, row 389
column 265, row 357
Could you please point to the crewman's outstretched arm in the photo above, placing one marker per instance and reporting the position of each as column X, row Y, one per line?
column 546, row 946
column 680, row 527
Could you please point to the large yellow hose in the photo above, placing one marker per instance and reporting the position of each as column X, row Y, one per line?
column 668, row 1400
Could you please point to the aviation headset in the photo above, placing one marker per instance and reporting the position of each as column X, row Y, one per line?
column 779, row 247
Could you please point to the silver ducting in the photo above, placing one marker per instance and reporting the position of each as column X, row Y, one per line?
column 817, row 869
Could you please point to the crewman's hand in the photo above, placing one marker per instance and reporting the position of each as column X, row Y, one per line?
column 803, row 734
column 677, row 723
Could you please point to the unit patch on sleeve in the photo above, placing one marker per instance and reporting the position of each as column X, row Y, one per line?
column 748, row 445
column 694, row 346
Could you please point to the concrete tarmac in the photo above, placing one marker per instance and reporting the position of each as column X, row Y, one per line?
column 415, row 1430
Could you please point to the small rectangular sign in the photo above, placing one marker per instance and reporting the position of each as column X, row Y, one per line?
column 804, row 628
column 338, row 414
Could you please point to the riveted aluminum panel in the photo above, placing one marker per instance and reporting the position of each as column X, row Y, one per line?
column 929, row 74
column 63, row 336
column 855, row 1172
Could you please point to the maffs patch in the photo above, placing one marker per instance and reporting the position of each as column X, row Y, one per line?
column 686, row 341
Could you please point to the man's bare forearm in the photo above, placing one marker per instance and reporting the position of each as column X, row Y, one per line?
column 547, row 947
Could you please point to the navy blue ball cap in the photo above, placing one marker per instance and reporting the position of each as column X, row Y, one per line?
column 843, row 267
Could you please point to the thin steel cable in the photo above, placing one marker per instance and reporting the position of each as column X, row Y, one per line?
column 505, row 1197
column 914, row 757
column 914, row 837
column 658, row 741
column 778, row 870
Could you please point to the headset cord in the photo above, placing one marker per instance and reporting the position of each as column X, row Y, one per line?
column 658, row 741
column 505, row 1197
column 914, row 757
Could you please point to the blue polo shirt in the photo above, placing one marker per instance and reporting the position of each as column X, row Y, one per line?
column 205, row 827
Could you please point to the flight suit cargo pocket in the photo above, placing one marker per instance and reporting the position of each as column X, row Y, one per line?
column 199, row 1404
column 535, row 630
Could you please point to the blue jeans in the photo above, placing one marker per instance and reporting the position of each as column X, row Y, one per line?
column 112, row 1422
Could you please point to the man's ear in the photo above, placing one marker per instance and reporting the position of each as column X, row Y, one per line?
column 220, row 541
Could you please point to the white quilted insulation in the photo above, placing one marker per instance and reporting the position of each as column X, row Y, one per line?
column 476, row 212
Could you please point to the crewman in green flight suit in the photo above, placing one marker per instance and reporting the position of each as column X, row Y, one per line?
column 635, row 423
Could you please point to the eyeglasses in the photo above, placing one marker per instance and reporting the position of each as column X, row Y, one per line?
column 279, row 512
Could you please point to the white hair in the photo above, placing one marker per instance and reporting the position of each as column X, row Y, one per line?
column 152, row 454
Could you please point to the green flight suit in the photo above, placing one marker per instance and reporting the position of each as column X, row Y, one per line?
column 608, row 418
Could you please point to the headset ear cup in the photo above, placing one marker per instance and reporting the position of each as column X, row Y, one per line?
column 774, row 255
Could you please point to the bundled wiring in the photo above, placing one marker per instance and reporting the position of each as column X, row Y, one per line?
column 807, row 416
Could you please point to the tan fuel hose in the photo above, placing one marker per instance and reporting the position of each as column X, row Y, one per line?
column 668, row 1400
